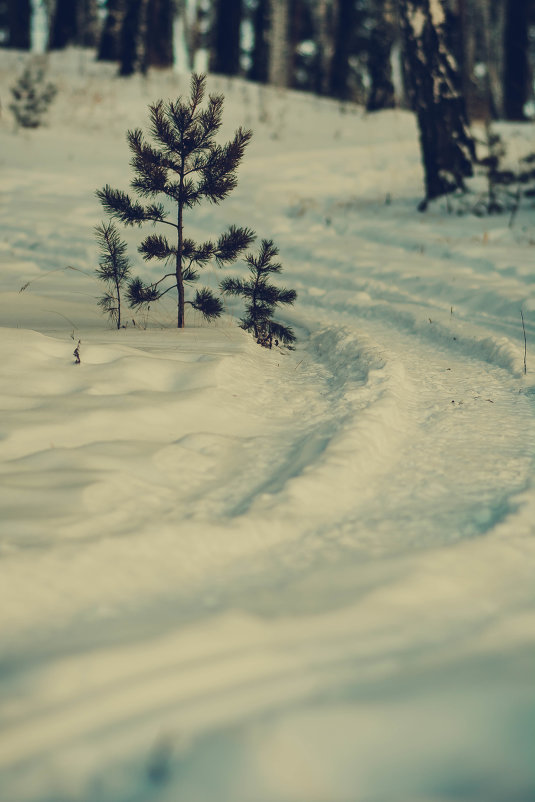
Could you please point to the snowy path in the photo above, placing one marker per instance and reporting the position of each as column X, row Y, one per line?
column 350, row 572
column 242, row 575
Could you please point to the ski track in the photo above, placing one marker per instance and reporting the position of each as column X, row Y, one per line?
column 241, row 593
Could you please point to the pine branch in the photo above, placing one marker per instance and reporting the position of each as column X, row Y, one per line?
column 114, row 268
column 140, row 294
column 234, row 286
column 108, row 304
column 114, row 265
column 189, row 274
column 207, row 303
column 262, row 297
column 231, row 243
column 162, row 130
column 210, row 120
column 268, row 251
column 197, row 90
column 119, row 205
column 284, row 334
column 155, row 284
column 156, row 246
column 286, row 296
column 203, row 253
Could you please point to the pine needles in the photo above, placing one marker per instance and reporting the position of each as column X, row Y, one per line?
column 262, row 297
column 186, row 166
column 181, row 168
column 113, row 269
column 32, row 95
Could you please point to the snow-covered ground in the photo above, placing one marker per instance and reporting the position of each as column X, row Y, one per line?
column 234, row 574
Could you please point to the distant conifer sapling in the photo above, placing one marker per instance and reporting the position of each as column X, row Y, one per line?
column 32, row 95
column 186, row 167
column 262, row 297
column 113, row 269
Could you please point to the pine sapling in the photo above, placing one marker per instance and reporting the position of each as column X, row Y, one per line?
column 262, row 298
column 185, row 167
column 32, row 95
column 113, row 269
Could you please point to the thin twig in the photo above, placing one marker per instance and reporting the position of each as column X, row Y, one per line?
column 49, row 272
column 525, row 342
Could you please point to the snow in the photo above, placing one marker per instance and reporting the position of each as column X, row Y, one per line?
column 261, row 576
column 437, row 12
column 417, row 20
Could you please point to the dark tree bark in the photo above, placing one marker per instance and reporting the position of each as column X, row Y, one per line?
column 516, row 68
column 134, row 38
column 64, row 25
column 18, row 22
column 465, row 47
column 479, row 40
column 74, row 22
column 110, row 40
column 260, row 56
column 325, row 13
column 88, row 23
column 448, row 150
column 340, row 69
column 160, row 33
column 226, row 48
column 382, row 94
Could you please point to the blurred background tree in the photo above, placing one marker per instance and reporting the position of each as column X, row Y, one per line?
column 347, row 49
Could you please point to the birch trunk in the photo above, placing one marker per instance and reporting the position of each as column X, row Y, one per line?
column 279, row 56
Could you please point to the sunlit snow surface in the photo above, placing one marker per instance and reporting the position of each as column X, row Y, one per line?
column 242, row 575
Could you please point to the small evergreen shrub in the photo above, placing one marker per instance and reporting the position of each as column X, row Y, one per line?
column 32, row 95
column 184, row 167
column 113, row 269
column 262, row 297
column 505, row 186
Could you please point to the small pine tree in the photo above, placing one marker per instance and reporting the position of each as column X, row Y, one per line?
column 262, row 297
column 114, row 269
column 186, row 168
column 32, row 95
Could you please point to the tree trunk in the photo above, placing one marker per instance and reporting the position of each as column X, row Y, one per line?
column 447, row 146
column 87, row 23
column 226, row 49
column 495, row 56
column 279, row 56
column 467, row 30
column 190, row 17
column 18, row 22
column 516, row 68
column 134, row 38
column 159, row 45
column 382, row 94
column 74, row 22
column 340, row 70
column 110, row 40
column 181, row 305
column 260, row 58
column 64, row 24
column 480, row 38
column 324, row 12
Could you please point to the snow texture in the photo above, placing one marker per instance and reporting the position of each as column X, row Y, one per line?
column 262, row 576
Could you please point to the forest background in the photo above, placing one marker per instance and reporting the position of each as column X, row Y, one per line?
column 346, row 49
